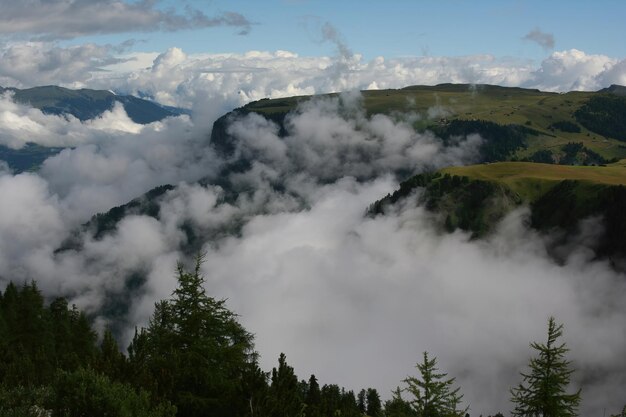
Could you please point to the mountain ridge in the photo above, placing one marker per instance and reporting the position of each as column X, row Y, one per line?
column 85, row 103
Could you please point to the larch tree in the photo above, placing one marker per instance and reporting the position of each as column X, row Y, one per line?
column 542, row 392
column 433, row 393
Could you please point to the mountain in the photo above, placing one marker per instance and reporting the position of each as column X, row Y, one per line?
column 538, row 149
column 474, row 198
column 535, row 125
column 84, row 104
column 619, row 90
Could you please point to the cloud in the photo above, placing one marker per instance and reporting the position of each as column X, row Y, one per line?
column 353, row 299
column 40, row 63
column 21, row 124
column 239, row 78
column 543, row 39
column 349, row 298
column 575, row 70
column 112, row 159
column 58, row 19
column 330, row 33
column 226, row 81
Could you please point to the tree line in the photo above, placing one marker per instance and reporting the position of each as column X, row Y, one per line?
column 195, row 359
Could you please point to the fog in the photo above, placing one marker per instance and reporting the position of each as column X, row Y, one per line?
column 353, row 299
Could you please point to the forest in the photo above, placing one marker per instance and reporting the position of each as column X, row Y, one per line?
column 195, row 359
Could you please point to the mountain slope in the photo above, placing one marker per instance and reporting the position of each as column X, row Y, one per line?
column 85, row 104
column 552, row 120
column 474, row 198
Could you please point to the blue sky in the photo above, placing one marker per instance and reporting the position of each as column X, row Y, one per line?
column 398, row 28
column 165, row 49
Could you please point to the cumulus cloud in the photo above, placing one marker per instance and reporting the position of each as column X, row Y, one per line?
column 54, row 19
column 41, row 63
column 225, row 81
column 575, row 70
column 353, row 299
column 543, row 39
column 179, row 79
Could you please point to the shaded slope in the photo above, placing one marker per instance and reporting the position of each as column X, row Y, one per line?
column 474, row 198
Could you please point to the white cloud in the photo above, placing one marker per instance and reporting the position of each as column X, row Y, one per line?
column 352, row 299
column 29, row 64
column 231, row 80
column 573, row 70
column 239, row 78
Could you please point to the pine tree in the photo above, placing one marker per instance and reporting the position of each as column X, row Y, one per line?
column 312, row 398
column 285, row 397
column 374, row 406
column 398, row 406
column 361, row 401
column 542, row 392
column 194, row 352
column 433, row 395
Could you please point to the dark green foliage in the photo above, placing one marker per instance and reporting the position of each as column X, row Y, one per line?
column 286, row 399
column 500, row 141
column 147, row 205
column 85, row 392
column 110, row 361
column 433, row 395
column 361, row 401
column 194, row 359
column 194, row 353
column 572, row 153
column 542, row 392
column 337, row 401
column 565, row 126
column 467, row 204
column 398, row 407
column 604, row 115
column 313, row 398
column 37, row 339
column 374, row 406
column 21, row 401
column 562, row 208
column 542, row 156
column 578, row 154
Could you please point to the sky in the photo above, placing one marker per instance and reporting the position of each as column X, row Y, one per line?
column 400, row 28
column 307, row 274
column 232, row 52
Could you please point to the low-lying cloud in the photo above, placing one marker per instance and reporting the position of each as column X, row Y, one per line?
column 353, row 299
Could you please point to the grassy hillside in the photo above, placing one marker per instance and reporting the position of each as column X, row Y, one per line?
column 530, row 180
column 474, row 198
column 551, row 115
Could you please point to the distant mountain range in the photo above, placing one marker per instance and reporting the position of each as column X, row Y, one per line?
column 84, row 104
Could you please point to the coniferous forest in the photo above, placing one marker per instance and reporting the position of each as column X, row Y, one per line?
column 195, row 359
